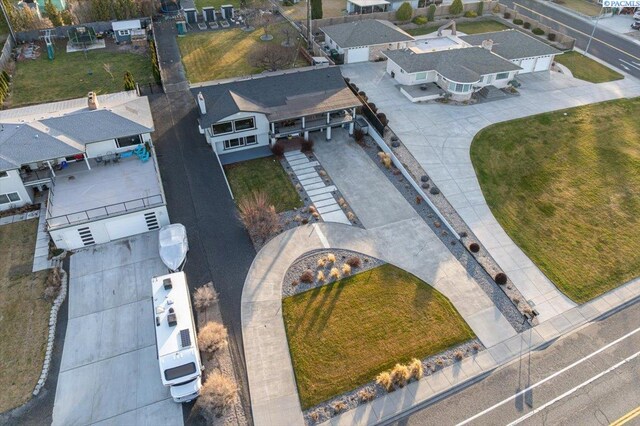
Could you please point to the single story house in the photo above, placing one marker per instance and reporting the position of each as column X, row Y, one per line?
column 361, row 7
column 362, row 41
column 123, row 31
column 528, row 52
column 460, row 72
column 242, row 119
column 95, row 158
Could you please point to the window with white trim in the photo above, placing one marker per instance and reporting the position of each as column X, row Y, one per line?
column 502, row 75
column 11, row 197
column 459, row 87
column 124, row 32
column 222, row 128
column 128, row 141
column 244, row 124
column 240, row 142
column 421, row 76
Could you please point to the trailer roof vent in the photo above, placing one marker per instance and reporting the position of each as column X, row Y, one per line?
column 167, row 284
column 172, row 319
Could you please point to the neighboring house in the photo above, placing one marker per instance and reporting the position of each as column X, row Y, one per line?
column 529, row 53
column 124, row 31
column 32, row 5
column 360, row 7
column 460, row 72
column 242, row 119
column 94, row 156
column 365, row 40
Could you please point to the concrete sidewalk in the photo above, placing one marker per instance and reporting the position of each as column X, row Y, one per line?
column 439, row 137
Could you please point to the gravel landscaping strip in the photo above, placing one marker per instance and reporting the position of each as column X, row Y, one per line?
column 478, row 267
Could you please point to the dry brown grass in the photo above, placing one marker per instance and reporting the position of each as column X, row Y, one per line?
column 212, row 337
column 400, row 375
column 258, row 215
column 331, row 258
column 415, row 369
column 346, row 269
column 24, row 314
column 385, row 159
column 321, row 262
column 320, row 277
column 366, row 394
column 217, row 393
column 204, row 297
column 330, row 9
column 334, row 273
column 385, row 380
column 339, row 407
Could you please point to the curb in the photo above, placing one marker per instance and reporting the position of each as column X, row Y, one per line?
column 53, row 320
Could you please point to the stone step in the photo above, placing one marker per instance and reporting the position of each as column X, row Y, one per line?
column 311, row 181
column 328, row 209
column 321, row 197
column 326, row 202
column 324, row 190
column 301, row 177
column 304, row 166
column 336, row 216
column 313, row 186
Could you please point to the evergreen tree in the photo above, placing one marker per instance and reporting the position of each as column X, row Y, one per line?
column 316, row 9
column 404, row 12
column 456, row 7
column 129, row 82
column 53, row 14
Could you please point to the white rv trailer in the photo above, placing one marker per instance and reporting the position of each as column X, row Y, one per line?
column 176, row 338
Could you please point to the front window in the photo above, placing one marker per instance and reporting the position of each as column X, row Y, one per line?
column 459, row 87
column 11, row 197
column 502, row 76
column 222, row 128
column 244, row 124
column 179, row 371
column 128, row 141
column 124, row 32
column 421, row 76
column 240, row 142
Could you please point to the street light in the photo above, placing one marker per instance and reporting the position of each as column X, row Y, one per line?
column 586, row 50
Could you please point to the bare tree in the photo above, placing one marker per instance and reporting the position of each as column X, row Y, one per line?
column 259, row 216
column 272, row 57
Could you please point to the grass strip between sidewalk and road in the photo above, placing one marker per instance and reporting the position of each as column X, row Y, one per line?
column 587, row 69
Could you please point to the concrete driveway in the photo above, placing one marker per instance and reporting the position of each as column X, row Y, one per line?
column 109, row 372
column 439, row 137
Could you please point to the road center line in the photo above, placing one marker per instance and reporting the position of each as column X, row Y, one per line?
column 627, row 417
column 578, row 31
column 571, row 391
column 551, row 377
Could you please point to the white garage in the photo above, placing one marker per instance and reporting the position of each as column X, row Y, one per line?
column 543, row 63
column 358, row 54
column 527, row 65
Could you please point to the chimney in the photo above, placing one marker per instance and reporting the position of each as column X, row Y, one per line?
column 201, row 104
column 92, row 101
column 487, row 44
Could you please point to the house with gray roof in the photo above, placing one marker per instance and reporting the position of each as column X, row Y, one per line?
column 92, row 158
column 362, row 41
column 242, row 119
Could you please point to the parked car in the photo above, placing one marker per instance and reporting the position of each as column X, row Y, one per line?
column 636, row 15
column 635, row 25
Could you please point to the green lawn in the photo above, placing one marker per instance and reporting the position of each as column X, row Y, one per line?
column 585, row 7
column 565, row 188
column 223, row 54
column 71, row 75
column 343, row 334
column 587, row 69
column 263, row 174
column 216, row 3
column 469, row 27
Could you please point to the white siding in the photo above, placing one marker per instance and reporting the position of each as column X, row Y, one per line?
column 357, row 54
column 96, row 149
column 261, row 132
column 398, row 73
column 396, row 4
column 13, row 183
column 527, row 65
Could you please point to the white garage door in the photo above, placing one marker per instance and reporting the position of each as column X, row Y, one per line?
column 126, row 226
column 527, row 65
column 543, row 64
column 360, row 54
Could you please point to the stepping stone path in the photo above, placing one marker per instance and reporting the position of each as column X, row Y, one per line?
column 319, row 192
column 40, row 261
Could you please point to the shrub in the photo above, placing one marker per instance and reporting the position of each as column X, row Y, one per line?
column 129, row 82
column 431, row 12
column 415, row 369
column 346, row 269
column 312, row 209
column 507, row 15
column 331, row 258
column 400, row 375
column 538, row 31
column 307, row 276
column 480, row 10
column 306, row 146
column 385, row 159
column 372, row 107
column 339, row 406
column 551, row 37
column 334, row 273
column 212, row 337
column 420, row 20
column 527, row 25
column 500, row 278
column 320, row 277
column 354, row 262
column 471, row 14
column 366, row 394
column 258, row 216
column 384, row 380
column 404, row 12
column 474, row 247
column 456, row 7
column 358, row 135
column 216, row 394
column 204, row 297
column 518, row 21
column 458, row 355
column 383, row 118
column 321, row 262
column 351, row 216
column 278, row 149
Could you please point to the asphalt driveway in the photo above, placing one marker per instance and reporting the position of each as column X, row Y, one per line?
column 109, row 371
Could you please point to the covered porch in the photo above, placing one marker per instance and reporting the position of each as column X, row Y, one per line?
column 301, row 126
column 360, row 7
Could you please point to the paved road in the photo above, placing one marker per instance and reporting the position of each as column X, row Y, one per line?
column 614, row 49
column 534, row 392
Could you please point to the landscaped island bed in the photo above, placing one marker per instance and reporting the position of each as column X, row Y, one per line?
column 343, row 334
column 468, row 27
column 24, row 313
column 587, row 69
column 565, row 186
column 267, row 175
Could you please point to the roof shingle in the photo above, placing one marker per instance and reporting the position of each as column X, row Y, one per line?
column 512, row 44
column 367, row 32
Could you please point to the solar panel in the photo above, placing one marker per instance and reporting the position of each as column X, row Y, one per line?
column 185, row 338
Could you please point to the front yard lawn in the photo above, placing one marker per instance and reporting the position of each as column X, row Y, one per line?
column 468, row 27
column 330, row 9
column 587, row 69
column 227, row 53
column 72, row 75
column 216, row 3
column 24, row 314
column 343, row 334
column 565, row 188
column 585, row 7
column 263, row 174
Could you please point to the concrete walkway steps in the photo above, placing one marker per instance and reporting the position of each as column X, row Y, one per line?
column 41, row 254
column 319, row 192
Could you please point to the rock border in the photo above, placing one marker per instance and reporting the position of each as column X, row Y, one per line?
column 53, row 320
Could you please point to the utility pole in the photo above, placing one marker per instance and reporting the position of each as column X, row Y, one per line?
column 6, row 17
column 309, row 32
column 586, row 50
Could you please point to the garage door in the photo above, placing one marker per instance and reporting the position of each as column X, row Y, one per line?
column 543, row 64
column 527, row 65
column 361, row 54
column 126, row 226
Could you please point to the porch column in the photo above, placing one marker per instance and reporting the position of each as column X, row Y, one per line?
column 353, row 112
column 351, row 125
column 86, row 160
column 273, row 127
column 51, row 168
column 273, row 140
column 328, row 117
column 303, row 124
column 328, row 133
column 306, row 135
